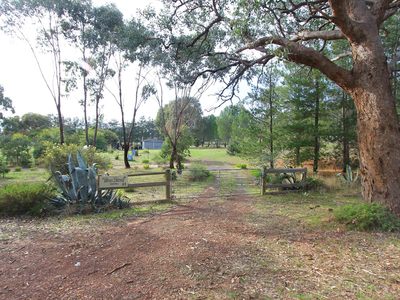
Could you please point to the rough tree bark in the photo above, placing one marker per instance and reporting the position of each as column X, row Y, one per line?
column 271, row 124
column 316, row 128
column 345, row 132
column 377, row 121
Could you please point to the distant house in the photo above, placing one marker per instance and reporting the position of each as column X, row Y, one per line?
column 152, row 144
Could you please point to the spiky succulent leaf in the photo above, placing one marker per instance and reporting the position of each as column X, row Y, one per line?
column 81, row 162
column 83, row 188
column 72, row 174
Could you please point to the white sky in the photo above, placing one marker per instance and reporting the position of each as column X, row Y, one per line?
column 20, row 77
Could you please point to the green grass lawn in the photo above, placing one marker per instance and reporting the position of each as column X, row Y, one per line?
column 218, row 156
column 25, row 175
column 201, row 155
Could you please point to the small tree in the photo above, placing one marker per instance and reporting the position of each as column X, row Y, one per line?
column 175, row 120
column 16, row 149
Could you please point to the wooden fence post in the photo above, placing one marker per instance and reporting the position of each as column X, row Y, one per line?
column 263, row 180
column 168, row 184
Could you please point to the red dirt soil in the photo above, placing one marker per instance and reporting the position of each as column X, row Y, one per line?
column 193, row 249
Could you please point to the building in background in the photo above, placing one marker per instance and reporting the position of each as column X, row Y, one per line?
column 152, row 144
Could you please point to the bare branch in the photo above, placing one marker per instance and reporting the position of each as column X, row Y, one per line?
column 325, row 35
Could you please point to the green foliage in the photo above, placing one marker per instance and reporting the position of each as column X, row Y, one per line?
column 233, row 149
column 182, row 148
column 116, row 157
column 5, row 103
column 225, row 122
column 25, row 199
column 198, row 172
column 314, row 184
column 79, row 189
column 146, row 166
column 158, row 159
column 241, row 166
column 3, row 165
column 55, row 157
column 366, row 217
column 256, row 173
column 17, row 169
column 145, row 161
column 16, row 149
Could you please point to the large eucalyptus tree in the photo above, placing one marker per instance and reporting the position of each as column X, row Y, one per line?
column 229, row 38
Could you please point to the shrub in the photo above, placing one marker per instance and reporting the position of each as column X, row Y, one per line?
column 314, row 184
column 256, row 173
column 241, row 166
column 145, row 161
column 16, row 149
column 56, row 157
column 116, row 157
column 17, row 169
column 25, row 199
column 367, row 216
column 158, row 159
column 198, row 172
column 146, row 166
column 233, row 149
column 3, row 165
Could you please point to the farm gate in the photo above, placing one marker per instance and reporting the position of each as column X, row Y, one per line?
column 219, row 183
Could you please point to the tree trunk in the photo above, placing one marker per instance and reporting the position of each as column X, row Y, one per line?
column 297, row 154
column 60, row 123
column 378, row 125
column 173, row 158
column 316, row 128
column 271, row 125
column 96, row 126
column 85, row 92
column 171, row 163
column 345, row 132
column 126, row 150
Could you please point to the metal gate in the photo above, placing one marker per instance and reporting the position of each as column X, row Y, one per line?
column 218, row 183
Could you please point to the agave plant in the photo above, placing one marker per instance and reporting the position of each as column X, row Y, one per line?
column 79, row 187
column 349, row 176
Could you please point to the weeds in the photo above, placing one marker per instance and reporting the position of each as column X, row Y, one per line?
column 367, row 217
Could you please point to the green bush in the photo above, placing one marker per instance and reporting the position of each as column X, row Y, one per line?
column 56, row 156
column 198, row 172
column 241, row 166
column 17, row 169
column 256, row 173
column 3, row 165
column 233, row 149
column 366, row 217
column 25, row 199
column 146, row 166
column 16, row 149
column 145, row 161
column 158, row 159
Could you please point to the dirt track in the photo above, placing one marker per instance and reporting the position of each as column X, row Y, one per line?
column 190, row 251
column 209, row 248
